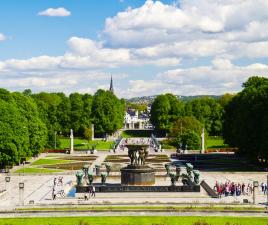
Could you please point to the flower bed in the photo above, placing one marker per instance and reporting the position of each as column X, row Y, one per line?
column 80, row 158
column 56, row 150
column 222, row 150
column 125, row 158
column 68, row 166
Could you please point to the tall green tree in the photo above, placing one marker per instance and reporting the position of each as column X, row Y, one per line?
column 14, row 136
column 87, row 114
column 107, row 112
column 186, row 131
column 246, row 119
column 76, row 114
column 165, row 110
column 208, row 111
column 36, row 128
column 48, row 106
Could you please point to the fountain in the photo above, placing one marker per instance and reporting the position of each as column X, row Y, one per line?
column 137, row 172
column 137, row 176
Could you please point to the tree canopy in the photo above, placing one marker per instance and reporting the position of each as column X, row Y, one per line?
column 107, row 112
column 29, row 122
column 168, row 108
column 22, row 132
column 186, row 131
column 165, row 110
column 246, row 119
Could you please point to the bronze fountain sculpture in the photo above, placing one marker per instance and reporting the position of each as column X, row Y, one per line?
column 137, row 172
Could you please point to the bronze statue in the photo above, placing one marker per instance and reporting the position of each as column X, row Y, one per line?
column 138, row 155
column 131, row 156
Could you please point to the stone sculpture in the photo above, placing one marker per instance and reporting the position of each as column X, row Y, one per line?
column 103, row 178
column 79, row 177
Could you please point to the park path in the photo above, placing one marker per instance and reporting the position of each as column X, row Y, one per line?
column 128, row 213
column 99, row 160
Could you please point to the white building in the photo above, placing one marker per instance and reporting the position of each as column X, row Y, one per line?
column 133, row 120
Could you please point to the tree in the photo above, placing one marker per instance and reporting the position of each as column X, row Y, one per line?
column 87, row 115
column 107, row 112
column 190, row 139
column 141, row 107
column 246, row 119
column 165, row 109
column 36, row 128
column 225, row 99
column 14, row 135
column 48, row 106
column 208, row 111
column 27, row 92
column 159, row 112
column 186, row 131
column 63, row 112
column 88, row 135
column 76, row 115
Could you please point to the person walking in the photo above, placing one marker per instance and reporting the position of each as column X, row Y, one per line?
column 85, row 196
column 90, row 191
column 53, row 193
column 265, row 189
column 262, row 187
column 93, row 192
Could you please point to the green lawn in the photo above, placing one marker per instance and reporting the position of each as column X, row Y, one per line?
column 80, row 143
column 144, row 220
column 49, row 161
column 37, row 170
column 211, row 142
column 165, row 145
column 215, row 142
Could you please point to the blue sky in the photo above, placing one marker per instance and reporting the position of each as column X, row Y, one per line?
column 184, row 47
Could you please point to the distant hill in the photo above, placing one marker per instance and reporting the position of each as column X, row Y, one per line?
column 150, row 99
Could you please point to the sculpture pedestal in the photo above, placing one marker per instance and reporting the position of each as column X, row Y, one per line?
column 137, row 175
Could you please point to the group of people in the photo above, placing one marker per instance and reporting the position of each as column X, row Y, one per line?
column 233, row 189
column 140, row 141
column 91, row 193
column 57, row 187
column 264, row 188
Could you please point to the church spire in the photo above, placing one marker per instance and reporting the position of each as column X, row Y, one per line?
column 111, row 85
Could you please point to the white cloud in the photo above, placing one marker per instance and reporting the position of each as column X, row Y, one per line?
column 221, row 77
column 66, row 81
column 158, row 35
column 194, row 29
column 35, row 63
column 202, row 80
column 60, row 12
column 2, row 37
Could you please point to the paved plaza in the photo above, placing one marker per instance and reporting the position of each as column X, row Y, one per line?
column 38, row 189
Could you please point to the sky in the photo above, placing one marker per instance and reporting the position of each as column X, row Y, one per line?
column 184, row 47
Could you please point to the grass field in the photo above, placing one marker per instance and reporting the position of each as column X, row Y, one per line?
column 37, row 170
column 49, row 161
column 211, row 142
column 135, row 220
column 80, row 143
column 215, row 142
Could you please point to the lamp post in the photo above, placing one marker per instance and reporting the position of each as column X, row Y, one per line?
column 23, row 163
column 7, row 179
column 21, row 193
column 255, row 185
